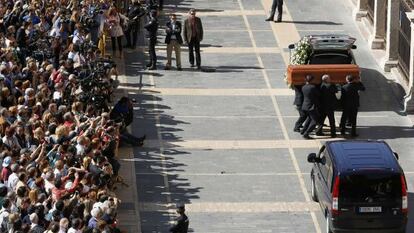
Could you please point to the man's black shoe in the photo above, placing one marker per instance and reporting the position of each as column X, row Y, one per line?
column 142, row 138
column 320, row 134
column 269, row 19
column 179, row 68
column 307, row 137
column 302, row 132
column 192, row 65
column 296, row 130
column 149, row 65
column 167, row 68
column 198, row 67
column 153, row 68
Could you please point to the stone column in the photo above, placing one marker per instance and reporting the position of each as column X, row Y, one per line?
column 409, row 98
column 391, row 47
column 377, row 39
column 361, row 9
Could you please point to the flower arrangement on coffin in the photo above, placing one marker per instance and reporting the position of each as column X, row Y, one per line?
column 301, row 52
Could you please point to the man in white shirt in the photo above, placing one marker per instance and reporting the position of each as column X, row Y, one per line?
column 13, row 178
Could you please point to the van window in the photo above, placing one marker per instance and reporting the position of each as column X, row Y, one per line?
column 370, row 188
column 326, row 168
column 323, row 166
column 330, row 58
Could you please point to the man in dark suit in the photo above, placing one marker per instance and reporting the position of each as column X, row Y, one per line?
column 173, row 40
column 152, row 27
column 311, row 106
column 193, row 35
column 279, row 5
column 328, row 104
column 298, row 103
column 135, row 12
column 182, row 222
column 350, row 103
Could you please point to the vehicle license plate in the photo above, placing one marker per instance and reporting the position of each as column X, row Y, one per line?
column 375, row 209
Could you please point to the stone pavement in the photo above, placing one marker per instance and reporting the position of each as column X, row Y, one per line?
column 221, row 140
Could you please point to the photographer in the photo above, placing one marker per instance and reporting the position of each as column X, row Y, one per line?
column 135, row 12
column 123, row 114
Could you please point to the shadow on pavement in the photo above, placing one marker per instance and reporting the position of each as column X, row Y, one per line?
column 310, row 22
column 381, row 93
column 156, row 165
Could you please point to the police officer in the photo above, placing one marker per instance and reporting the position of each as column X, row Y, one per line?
column 182, row 222
column 152, row 27
column 350, row 102
column 328, row 103
column 135, row 12
column 298, row 103
column 311, row 106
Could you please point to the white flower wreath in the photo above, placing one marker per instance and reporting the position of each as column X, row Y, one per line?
column 301, row 52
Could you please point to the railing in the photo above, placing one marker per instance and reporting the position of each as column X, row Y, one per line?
column 404, row 40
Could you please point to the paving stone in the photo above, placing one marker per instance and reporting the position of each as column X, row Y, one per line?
column 220, row 39
column 226, row 22
column 264, row 39
column 225, row 78
column 277, row 78
column 225, row 105
column 257, row 22
column 228, row 222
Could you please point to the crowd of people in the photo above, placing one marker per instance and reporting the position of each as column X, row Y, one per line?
column 59, row 135
column 315, row 103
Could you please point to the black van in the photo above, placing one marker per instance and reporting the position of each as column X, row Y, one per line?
column 360, row 187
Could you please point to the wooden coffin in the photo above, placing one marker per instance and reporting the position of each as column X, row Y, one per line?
column 296, row 73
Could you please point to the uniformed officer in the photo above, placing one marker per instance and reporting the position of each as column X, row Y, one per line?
column 328, row 104
column 350, row 102
column 135, row 12
column 311, row 106
column 298, row 103
column 152, row 27
column 182, row 222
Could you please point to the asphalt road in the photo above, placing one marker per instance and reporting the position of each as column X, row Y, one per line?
column 221, row 139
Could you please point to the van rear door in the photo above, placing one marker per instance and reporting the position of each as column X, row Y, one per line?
column 370, row 200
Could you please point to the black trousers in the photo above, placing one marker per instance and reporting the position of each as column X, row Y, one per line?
column 313, row 119
column 194, row 45
column 351, row 115
column 301, row 119
column 151, row 50
column 131, row 35
column 279, row 5
column 160, row 5
column 331, row 117
column 114, row 40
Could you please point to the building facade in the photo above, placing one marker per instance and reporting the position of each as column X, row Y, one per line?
column 390, row 25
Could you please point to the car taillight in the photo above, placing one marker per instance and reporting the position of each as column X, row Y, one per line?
column 335, row 197
column 404, row 197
